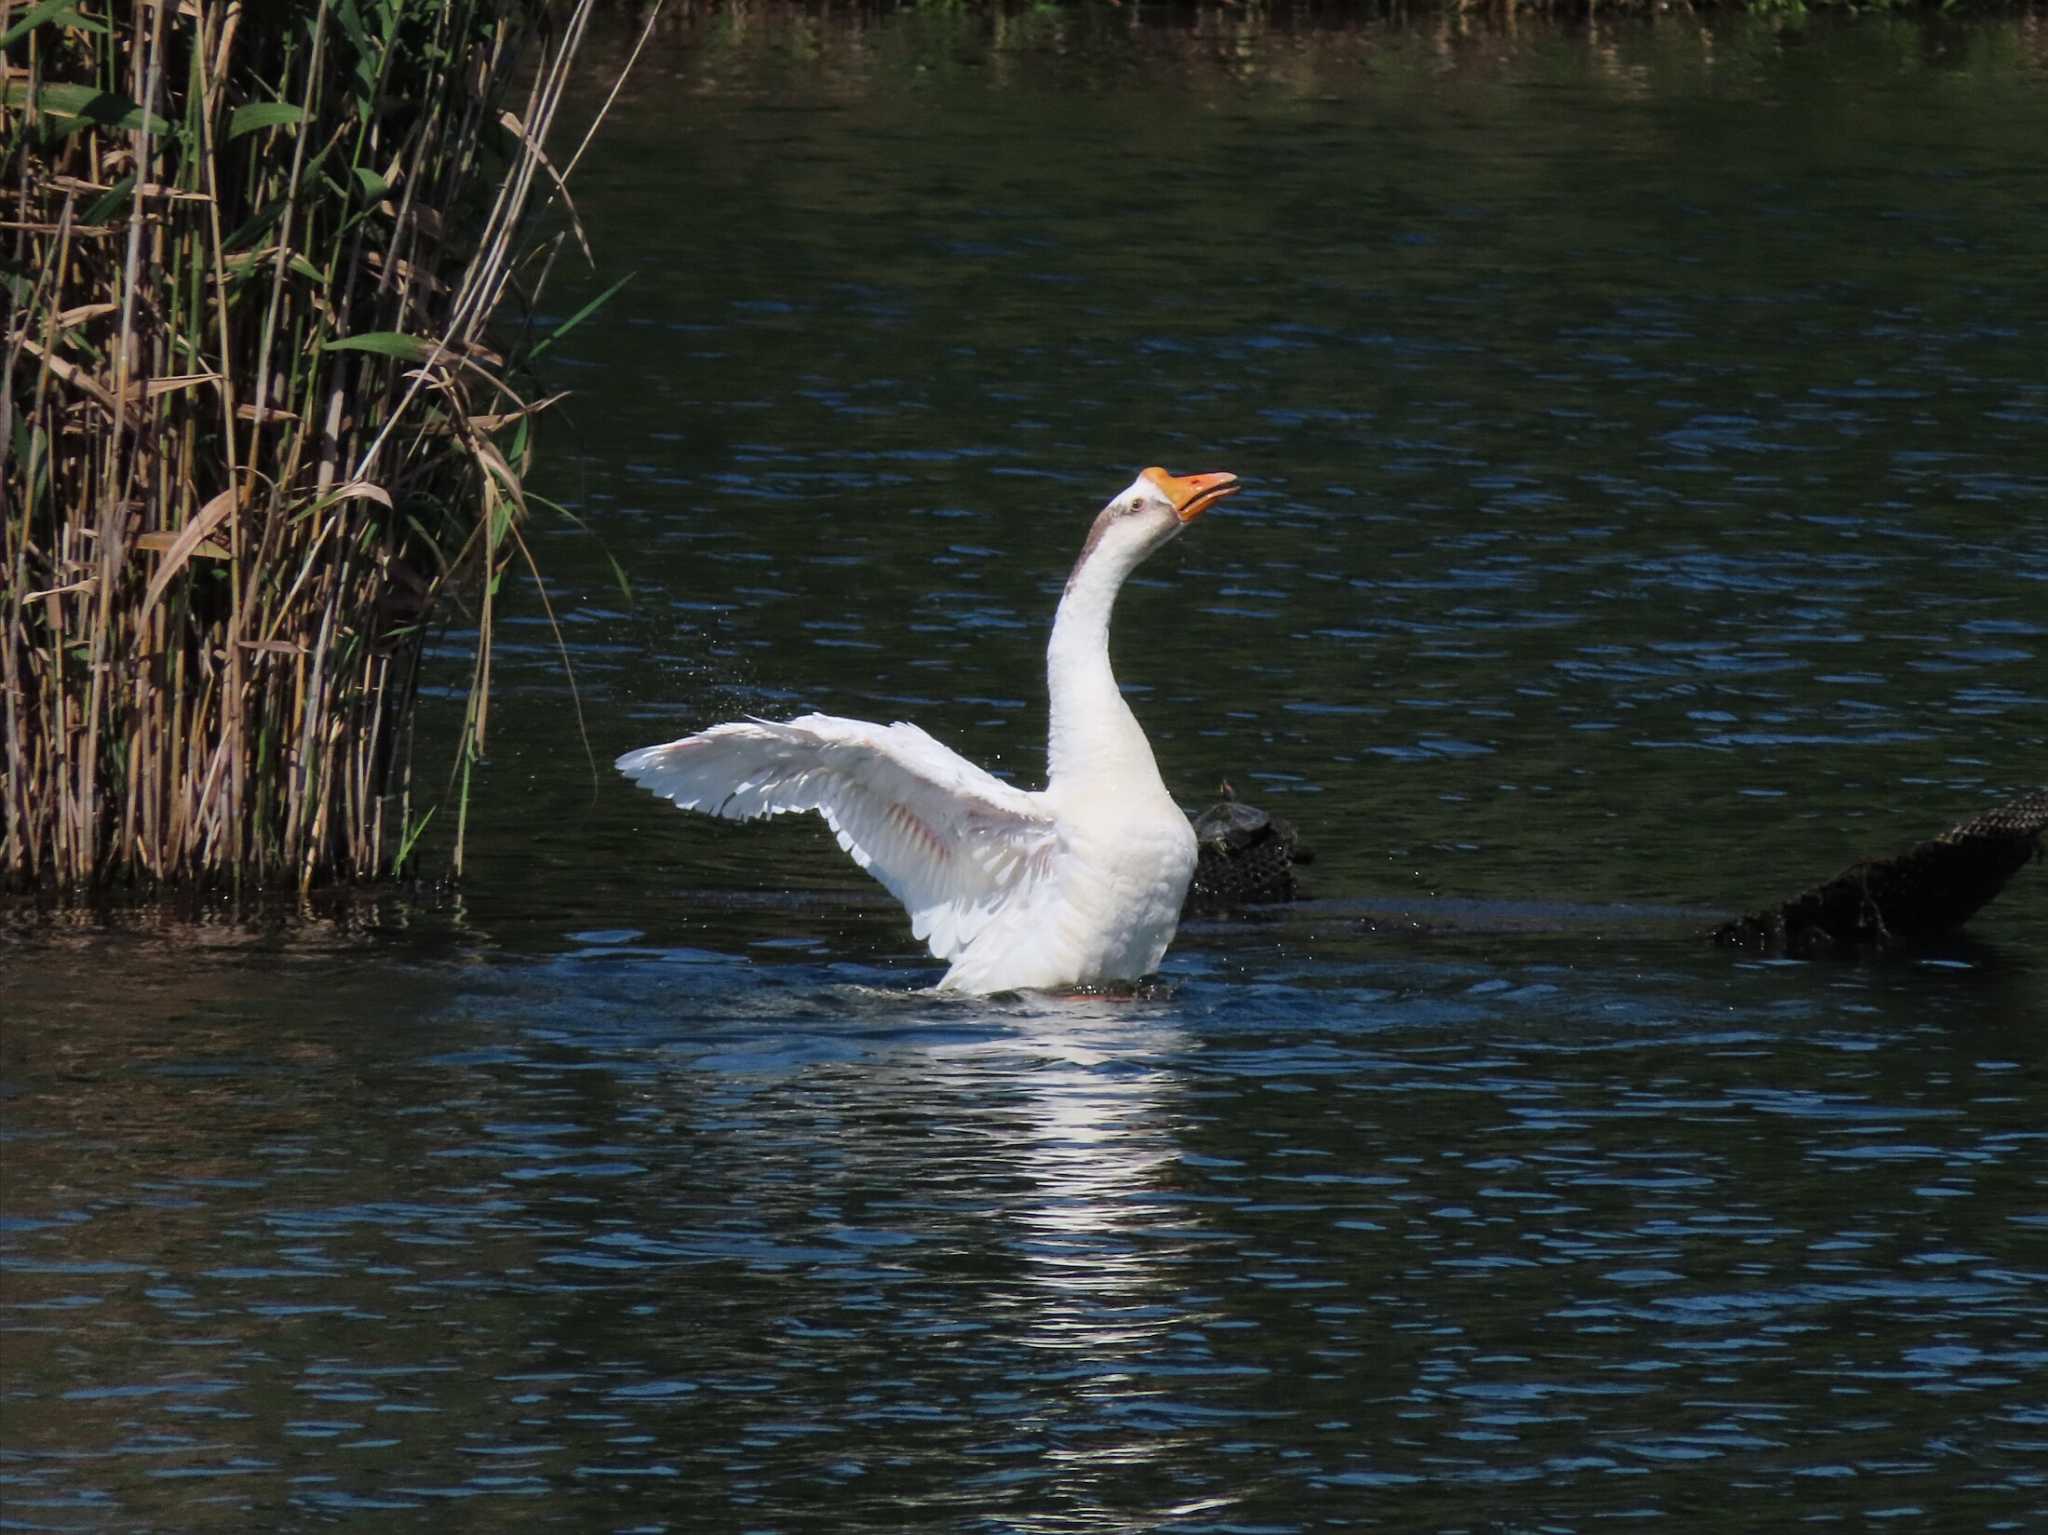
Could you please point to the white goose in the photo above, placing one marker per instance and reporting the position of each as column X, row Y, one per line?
column 1077, row 883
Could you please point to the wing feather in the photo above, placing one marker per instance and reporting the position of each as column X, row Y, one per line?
column 954, row 844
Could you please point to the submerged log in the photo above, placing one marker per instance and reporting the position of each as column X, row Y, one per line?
column 1245, row 856
column 1879, row 905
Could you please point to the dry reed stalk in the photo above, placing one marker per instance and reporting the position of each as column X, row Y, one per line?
column 253, row 436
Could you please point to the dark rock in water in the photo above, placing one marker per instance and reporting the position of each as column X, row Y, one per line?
column 1244, row 857
column 1882, row 904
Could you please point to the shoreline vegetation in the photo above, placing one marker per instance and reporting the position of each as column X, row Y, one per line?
column 807, row 20
column 1295, row 47
column 261, row 427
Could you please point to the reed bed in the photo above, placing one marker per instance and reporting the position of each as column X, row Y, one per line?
column 259, row 431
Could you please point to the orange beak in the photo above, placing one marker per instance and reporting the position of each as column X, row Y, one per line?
column 1193, row 494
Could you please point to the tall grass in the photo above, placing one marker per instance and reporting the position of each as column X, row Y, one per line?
column 257, row 430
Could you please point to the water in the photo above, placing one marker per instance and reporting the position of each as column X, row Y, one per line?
column 1645, row 433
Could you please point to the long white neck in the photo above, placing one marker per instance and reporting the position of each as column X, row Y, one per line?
column 1095, row 739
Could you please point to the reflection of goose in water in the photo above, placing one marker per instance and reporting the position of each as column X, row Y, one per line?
column 1094, row 1151
column 1096, row 1248
column 1077, row 883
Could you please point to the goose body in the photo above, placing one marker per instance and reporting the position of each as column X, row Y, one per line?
column 1075, row 884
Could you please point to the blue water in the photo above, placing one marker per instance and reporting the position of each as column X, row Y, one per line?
column 1646, row 438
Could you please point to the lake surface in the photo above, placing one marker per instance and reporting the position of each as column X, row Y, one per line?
column 1646, row 438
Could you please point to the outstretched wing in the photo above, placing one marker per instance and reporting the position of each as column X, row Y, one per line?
column 951, row 842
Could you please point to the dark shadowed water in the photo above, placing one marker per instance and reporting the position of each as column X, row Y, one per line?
column 1646, row 433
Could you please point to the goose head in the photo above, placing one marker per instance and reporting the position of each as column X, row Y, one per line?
column 1144, row 515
